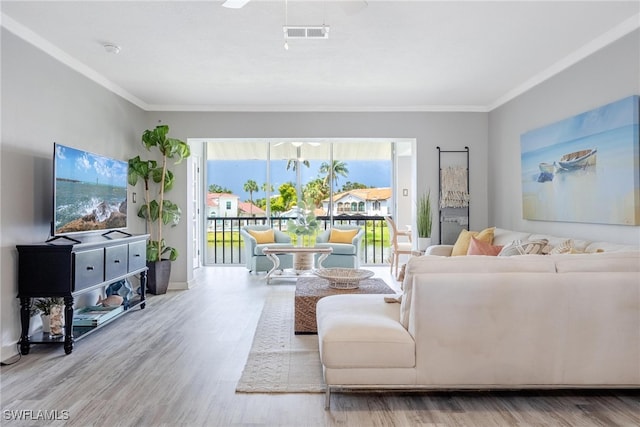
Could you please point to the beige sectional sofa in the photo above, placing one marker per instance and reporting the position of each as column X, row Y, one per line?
column 484, row 322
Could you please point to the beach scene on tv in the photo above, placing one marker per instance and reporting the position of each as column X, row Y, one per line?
column 584, row 168
column 90, row 191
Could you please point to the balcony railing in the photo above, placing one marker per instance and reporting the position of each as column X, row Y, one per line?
column 225, row 245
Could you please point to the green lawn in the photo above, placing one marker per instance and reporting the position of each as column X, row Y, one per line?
column 234, row 236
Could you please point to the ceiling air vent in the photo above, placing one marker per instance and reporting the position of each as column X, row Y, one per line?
column 306, row 32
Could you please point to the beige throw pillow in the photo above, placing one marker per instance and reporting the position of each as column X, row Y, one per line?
column 565, row 247
column 524, row 247
column 262, row 237
column 464, row 239
column 342, row 236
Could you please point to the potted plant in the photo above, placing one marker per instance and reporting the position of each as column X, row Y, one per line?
column 305, row 223
column 303, row 226
column 156, row 210
column 424, row 219
column 45, row 306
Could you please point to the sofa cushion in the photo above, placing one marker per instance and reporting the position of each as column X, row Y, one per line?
column 464, row 238
column 362, row 331
column 524, row 247
column 339, row 248
column 259, row 248
column 342, row 236
column 478, row 247
column 263, row 236
column 503, row 237
column 593, row 247
column 605, row 261
column 470, row 265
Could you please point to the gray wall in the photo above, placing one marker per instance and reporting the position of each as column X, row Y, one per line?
column 448, row 130
column 606, row 76
column 43, row 102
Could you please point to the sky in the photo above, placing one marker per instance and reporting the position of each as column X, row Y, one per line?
column 233, row 174
column 83, row 166
column 599, row 120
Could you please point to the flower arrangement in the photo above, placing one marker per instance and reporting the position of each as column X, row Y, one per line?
column 44, row 305
column 305, row 224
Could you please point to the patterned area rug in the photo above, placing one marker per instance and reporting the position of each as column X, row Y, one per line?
column 280, row 361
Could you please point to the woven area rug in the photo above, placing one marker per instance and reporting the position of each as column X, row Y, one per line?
column 280, row 361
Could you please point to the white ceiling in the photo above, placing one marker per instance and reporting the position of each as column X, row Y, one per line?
column 380, row 55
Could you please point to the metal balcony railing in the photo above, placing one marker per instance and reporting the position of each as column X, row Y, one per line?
column 225, row 245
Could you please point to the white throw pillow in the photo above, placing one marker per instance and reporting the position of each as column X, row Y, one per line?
column 524, row 247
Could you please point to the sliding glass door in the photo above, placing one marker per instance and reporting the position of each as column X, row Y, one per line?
column 264, row 181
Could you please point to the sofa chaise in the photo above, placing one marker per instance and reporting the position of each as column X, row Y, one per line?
column 484, row 322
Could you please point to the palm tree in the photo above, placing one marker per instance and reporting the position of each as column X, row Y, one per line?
column 293, row 164
column 264, row 187
column 316, row 191
column 332, row 172
column 250, row 186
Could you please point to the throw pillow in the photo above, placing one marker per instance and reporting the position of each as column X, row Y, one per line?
column 342, row 236
column 464, row 239
column 563, row 248
column 478, row 247
column 524, row 247
column 263, row 236
column 400, row 277
column 397, row 298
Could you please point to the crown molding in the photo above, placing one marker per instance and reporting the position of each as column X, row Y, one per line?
column 625, row 27
column 320, row 108
column 52, row 50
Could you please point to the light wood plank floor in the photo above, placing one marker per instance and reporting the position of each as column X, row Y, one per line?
column 177, row 362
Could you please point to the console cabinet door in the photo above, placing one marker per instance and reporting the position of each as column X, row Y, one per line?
column 89, row 268
column 137, row 255
column 115, row 261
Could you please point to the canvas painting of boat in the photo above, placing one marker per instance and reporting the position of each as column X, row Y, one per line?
column 585, row 168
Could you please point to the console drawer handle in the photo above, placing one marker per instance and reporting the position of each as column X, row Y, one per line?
column 117, row 261
column 89, row 267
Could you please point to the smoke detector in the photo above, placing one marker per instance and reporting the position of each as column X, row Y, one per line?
column 112, row 48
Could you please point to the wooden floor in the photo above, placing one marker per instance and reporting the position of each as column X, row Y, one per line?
column 177, row 362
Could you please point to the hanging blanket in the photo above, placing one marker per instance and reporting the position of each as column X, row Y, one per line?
column 454, row 192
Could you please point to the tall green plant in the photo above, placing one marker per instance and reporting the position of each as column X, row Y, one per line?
column 424, row 215
column 158, row 179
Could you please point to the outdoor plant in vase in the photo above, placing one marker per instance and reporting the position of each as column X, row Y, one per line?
column 157, row 210
column 424, row 217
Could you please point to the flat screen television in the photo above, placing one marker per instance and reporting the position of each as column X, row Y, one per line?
column 89, row 192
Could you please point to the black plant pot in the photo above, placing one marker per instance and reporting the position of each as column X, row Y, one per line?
column 158, row 276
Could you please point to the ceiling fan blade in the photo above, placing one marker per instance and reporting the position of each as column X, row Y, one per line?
column 235, row 4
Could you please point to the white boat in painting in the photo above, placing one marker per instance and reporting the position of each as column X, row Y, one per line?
column 546, row 167
column 577, row 160
column 568, row 162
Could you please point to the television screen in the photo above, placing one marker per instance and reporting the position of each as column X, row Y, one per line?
column 90, row 192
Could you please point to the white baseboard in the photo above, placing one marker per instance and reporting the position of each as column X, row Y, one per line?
column 179, row 286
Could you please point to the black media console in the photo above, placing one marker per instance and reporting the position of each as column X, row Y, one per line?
column 59, row 269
